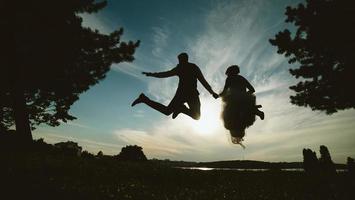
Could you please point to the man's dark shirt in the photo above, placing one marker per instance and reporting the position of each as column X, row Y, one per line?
column 188, row 75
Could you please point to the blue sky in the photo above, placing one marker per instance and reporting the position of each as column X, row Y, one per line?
column 215, row 34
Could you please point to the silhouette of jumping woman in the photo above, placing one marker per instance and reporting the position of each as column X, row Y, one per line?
column 186, row 92
column 239, row 107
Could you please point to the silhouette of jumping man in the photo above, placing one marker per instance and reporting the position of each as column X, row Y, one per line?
column 186, row 92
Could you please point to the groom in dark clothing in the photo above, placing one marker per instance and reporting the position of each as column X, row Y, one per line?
column 186, row 92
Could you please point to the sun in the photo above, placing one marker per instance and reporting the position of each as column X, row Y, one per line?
column 210, row 119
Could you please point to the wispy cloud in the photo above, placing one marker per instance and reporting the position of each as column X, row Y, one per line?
column 130, row 69
column 139, row 113
column 80, row 125
column 160, row 40
column 158, row 145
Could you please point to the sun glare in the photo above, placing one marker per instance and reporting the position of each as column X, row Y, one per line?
column 210, row 119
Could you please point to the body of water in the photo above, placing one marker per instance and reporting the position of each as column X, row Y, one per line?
column 254, row 170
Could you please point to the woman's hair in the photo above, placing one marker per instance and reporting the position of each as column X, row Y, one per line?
column 232, row 70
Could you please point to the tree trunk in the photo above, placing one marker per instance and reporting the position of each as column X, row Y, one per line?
column 17, row 74
column 22, row 121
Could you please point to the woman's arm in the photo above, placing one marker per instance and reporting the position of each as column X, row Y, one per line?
column 226, row 86
column 249, row 86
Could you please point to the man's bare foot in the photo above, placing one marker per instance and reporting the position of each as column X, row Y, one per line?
column 261, row 115
column 139, row 99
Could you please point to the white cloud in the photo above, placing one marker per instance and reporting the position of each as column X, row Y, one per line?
column 76, row 124
column 159, row 144
column 160, row 40
column 95, row 22
column 130, row 69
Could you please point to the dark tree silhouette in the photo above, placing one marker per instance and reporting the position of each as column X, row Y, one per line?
column 310, row 161
column 323, row 45
column 323, row 166
column 48, row 58
column 100, row 154
column 325, row 161
column 86, row 154
column 132, row 153
column 68, row 148
column 351, row 166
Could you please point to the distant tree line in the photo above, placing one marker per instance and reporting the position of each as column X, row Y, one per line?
column 8, row 143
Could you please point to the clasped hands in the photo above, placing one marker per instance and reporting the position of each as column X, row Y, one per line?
column 215, row 95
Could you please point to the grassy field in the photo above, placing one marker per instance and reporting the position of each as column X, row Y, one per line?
column 40, row 176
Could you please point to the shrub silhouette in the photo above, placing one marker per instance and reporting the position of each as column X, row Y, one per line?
column 132, row 153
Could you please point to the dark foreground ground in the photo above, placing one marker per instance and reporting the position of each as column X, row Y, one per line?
column 40, row 176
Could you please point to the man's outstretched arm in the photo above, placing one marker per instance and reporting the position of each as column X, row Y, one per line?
column 165, row 74
column 205, row 84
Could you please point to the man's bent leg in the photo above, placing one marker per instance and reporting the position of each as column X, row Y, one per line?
column 177, row 105
column 179, row 109
column 156, row 106
column 195, row 108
